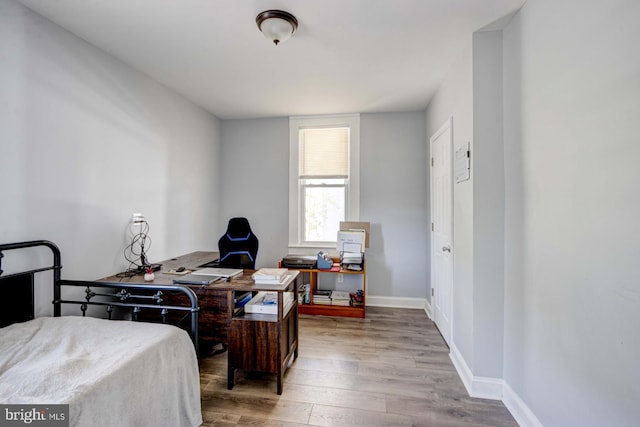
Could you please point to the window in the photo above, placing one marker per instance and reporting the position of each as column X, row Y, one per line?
column 323, row 177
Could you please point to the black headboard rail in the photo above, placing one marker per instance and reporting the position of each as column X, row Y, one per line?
column 56, row 267
column 114, row 295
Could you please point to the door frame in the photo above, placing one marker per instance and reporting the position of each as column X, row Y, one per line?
column 447, row 125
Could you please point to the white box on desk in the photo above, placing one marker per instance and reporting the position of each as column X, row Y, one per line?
column 256, row 305
column 351, row 241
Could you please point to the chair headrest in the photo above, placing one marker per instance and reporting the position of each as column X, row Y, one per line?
column 238, row 228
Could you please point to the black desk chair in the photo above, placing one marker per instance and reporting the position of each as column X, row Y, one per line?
column 239, row 246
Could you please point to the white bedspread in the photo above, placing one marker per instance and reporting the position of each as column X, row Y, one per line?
column 110, row 372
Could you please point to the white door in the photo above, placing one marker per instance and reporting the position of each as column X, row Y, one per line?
column 441, row 226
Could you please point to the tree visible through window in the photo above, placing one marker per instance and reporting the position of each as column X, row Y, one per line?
column 324, row 208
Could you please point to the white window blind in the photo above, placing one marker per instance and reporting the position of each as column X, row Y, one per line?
column 324, row 153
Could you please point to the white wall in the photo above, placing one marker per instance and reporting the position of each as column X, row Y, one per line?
column 395, row 199
column 392, row 191
column 85, row 141
column 572, row 239
column 454, row 99
column 255, row 181
column 488, row 205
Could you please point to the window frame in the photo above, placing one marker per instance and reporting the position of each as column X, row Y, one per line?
column 352, row 188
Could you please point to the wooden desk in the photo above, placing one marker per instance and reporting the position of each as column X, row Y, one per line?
column 214, row 317
column 260, row 342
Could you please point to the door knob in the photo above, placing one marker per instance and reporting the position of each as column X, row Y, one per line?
column 446, row 249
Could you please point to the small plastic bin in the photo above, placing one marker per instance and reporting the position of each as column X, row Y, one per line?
column 324, row 264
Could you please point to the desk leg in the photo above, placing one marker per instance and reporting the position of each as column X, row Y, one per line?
column 231, row 371
column 280, row 380
column 231, row 376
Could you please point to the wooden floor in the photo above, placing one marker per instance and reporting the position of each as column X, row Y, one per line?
column 390, row 369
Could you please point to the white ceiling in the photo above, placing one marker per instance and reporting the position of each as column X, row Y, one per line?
column 347, row 55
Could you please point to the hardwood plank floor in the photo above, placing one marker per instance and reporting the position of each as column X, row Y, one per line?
column 390, row 369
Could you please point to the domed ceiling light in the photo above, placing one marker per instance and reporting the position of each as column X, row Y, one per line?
column 277, row 25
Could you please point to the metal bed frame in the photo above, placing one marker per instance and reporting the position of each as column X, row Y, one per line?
column 133, row 297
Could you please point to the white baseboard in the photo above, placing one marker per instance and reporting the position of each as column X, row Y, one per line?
column 461, row 366
column 481, row 387
column 520, row 411
column 397, row 302
column 495, row 389
column 427, row 309
column 488, row 388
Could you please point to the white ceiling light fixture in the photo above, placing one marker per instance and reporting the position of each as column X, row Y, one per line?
column 277, row 25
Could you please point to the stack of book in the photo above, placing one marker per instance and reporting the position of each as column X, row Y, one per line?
column 322, row 297
column 270, row 276
column 340, row 298
column 332, row 298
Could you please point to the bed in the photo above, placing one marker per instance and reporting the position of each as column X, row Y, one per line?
column 109, row 372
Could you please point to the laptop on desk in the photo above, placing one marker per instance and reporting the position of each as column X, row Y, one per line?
column 207, row 276
column 195, row 279
column 225, row 273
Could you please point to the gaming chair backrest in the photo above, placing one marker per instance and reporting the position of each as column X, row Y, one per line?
column 238, row 246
